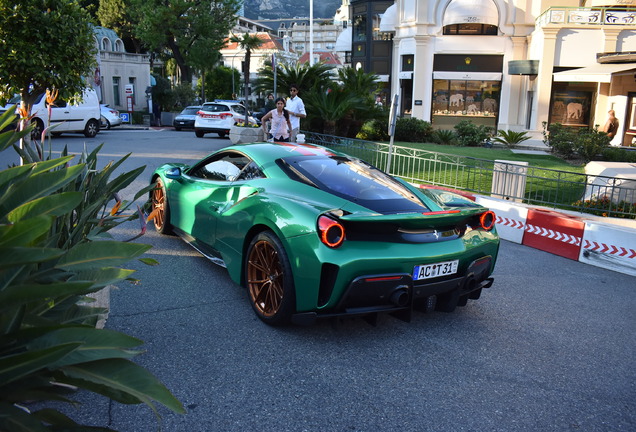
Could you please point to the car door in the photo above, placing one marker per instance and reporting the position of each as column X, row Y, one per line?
column 205, row 193
column 60, row 116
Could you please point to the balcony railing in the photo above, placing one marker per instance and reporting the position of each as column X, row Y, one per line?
column 588, row 16
column 124, row 57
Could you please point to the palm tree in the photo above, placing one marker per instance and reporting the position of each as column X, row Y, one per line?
column 330, row 106
column 248, row 42
column 306, row 77
column 364, row 86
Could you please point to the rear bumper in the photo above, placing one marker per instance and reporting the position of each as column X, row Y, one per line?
column 211, row 129
column 399, row 294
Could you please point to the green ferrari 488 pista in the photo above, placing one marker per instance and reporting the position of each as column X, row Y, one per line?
column 314, row 233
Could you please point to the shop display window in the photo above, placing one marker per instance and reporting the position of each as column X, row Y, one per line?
column 466, row 98
column 571, row 108
column 456, row 100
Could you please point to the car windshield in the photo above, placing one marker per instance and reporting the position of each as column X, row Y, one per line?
column 355, row 181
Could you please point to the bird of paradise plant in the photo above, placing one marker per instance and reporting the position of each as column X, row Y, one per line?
column 55, row 251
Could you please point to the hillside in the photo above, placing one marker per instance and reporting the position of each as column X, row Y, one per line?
column 277, row 9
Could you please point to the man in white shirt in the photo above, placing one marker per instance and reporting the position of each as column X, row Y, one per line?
column 296, row 109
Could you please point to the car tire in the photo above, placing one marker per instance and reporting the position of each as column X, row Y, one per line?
column 38, row 127
column 161, row 208
column 269, row 279
column 107, row 124
column 91, row 129
column 199, row 134
column 221, row 134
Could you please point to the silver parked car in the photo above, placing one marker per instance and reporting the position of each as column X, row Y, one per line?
column 110, row 117
column 185, row 120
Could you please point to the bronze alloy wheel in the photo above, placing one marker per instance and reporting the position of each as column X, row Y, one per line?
column 160, row 207
column 269, row 280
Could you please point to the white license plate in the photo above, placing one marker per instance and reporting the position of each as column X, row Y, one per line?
column 430, row 271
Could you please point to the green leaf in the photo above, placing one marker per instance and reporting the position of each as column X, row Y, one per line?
column 103, row 276
column 55, row 205
column 15, row 367
column 17, row 295
column 15, row 419
column 100, row 254
column 24, row 233
column 96, row 344
column 123, row 381
column 15, row 256
column 149, row 261
column 38, row 186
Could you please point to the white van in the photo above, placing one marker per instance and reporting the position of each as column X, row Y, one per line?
column 80, row 117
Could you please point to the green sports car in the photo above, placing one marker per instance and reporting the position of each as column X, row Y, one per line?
column 314, row 233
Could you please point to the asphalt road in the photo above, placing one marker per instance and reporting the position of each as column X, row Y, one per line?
column 549, row 347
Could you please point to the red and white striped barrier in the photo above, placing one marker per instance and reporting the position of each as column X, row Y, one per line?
column 603, row 242
column 585, row 238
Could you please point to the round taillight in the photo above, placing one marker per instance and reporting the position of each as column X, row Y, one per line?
column 331, row 232
column 487, row 220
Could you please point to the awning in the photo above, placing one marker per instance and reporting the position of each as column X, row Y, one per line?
column 343, row 43
column 388, row 21
column 599, row 73
column 471, row 11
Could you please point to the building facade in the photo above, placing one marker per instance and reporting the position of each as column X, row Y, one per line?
column 272, row 48
column 514, row 64
column 121, row 78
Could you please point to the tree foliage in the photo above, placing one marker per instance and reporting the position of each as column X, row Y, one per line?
column 190, row 31
column 115, row 15
column 218, row 82
column 44, row 44
column 306, row 77
column 247, row 42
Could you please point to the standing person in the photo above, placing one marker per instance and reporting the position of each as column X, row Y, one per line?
column 611, row 126
column 296, row 109
column 280, row 119
column 270, row 104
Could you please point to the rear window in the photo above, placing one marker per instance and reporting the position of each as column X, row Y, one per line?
column 190, row 111
column 215, row 107
column 356, row 181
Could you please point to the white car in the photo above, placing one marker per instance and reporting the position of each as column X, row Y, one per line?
column 110, row 117
column 218, row 117
column 80, row 117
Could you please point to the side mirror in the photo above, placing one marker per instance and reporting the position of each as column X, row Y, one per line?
column 174, row 173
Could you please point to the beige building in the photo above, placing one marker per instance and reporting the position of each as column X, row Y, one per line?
column 121, row 78
column 515, row 64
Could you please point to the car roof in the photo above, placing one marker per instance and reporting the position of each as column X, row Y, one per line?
column 271, row 151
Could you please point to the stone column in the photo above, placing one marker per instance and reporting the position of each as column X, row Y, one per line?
column 544, row 78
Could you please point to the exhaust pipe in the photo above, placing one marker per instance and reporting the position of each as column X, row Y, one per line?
column 470, row 284
column 400, row 297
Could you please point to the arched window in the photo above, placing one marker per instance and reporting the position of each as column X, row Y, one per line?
column 106, row 45
column 119, row 46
